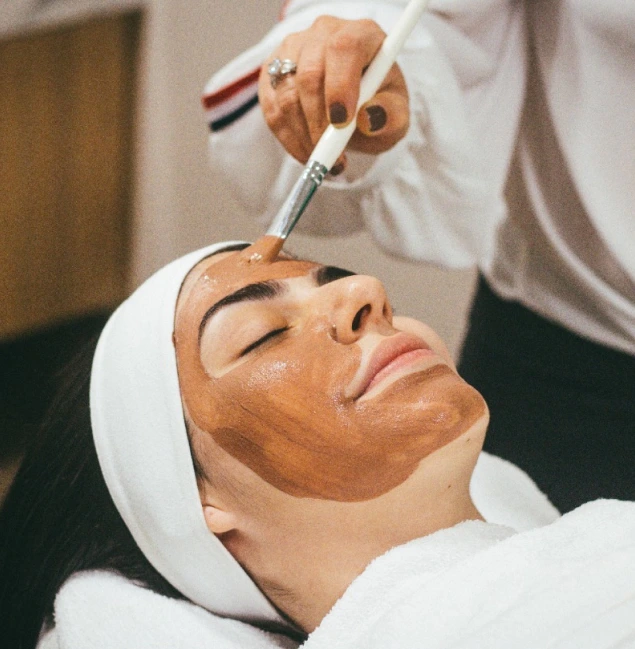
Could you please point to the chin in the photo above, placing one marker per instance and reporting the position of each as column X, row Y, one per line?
column 453, row 463
column 436, row 397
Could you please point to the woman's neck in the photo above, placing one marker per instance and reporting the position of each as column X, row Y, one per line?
column 304, row 553
column 304, row 575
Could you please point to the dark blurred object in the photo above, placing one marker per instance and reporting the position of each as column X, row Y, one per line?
column 29, row 373
column 562, row 407
column 67, row 97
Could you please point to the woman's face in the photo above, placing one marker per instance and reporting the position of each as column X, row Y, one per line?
column 300, row 372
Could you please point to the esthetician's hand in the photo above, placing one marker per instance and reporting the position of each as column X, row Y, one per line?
column 331, row 56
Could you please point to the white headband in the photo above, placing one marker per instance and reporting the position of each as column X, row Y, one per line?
column 144, row 453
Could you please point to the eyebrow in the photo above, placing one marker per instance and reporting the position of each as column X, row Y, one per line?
column 268, row 290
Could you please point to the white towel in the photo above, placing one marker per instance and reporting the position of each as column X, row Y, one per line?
column 570, row 584
column 101, row 610
column 504, row 494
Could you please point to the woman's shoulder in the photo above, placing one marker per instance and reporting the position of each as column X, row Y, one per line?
column 103, row 610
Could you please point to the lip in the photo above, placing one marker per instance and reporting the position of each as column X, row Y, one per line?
column 388, row 356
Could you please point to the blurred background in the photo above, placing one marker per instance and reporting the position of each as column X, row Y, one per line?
column 104, row 178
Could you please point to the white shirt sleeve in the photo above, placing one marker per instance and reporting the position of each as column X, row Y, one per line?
column 437, row 195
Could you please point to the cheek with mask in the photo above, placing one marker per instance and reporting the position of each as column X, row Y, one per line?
column 286, row 417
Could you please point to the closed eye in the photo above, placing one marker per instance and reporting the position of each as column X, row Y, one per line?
column 262, row 340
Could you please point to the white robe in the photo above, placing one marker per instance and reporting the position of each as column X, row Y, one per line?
column 566, row 585
column 547, row 84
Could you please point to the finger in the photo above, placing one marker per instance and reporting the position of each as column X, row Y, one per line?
column 391, row 99
column 347, row 53
column 339, row 166
column 309, row 81
column 283, row 113
column 386, row 113
column 381, row 123
column 289, row 123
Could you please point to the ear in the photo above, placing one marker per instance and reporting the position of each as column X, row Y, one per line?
column 218, row 520
column 219, row 517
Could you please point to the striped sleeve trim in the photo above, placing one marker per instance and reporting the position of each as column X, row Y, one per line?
column 224, row 106
column 231, row 102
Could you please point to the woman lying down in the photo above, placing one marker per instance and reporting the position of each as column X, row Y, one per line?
column 270, row 459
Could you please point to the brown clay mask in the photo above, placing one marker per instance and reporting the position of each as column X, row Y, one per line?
column 280, row 374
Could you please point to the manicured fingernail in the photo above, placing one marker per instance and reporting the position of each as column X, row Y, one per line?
column 337, row 113
column 337, row 169
column 377, row 117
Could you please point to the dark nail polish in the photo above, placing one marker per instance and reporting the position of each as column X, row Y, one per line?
column 337, row 169
column 337, row 113
column 377, row 117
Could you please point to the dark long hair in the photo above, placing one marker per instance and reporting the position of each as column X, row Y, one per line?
column 58, row 518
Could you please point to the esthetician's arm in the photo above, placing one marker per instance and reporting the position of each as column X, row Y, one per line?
column 437, row 194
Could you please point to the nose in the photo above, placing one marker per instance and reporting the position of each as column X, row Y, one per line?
column 356, row 304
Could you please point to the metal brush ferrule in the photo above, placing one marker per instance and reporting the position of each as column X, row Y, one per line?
column 298, row 199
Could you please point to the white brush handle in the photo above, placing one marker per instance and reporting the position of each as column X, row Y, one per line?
column 334, row 140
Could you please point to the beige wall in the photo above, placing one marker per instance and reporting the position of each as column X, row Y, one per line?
column 178, row 206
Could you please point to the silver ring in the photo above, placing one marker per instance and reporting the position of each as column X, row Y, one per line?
column 278, row 69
